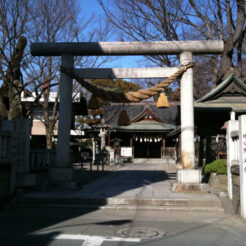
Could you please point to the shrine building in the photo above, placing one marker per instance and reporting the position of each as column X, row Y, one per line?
column 155, row 132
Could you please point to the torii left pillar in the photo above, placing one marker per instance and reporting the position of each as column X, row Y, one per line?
column 62, row 172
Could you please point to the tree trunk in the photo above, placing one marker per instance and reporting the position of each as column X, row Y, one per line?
column 49, row 135
column 234, row 40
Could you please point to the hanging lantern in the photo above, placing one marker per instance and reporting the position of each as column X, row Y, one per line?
column 141, row 140
column 124, row 119
column 162, row 101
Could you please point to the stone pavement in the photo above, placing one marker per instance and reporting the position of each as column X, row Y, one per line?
column 137, row 185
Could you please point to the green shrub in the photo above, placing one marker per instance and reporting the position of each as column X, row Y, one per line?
column 218, row 166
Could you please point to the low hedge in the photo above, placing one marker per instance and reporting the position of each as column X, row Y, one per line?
column 218, row 166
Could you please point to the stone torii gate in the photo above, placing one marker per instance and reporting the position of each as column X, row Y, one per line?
column 62, row 172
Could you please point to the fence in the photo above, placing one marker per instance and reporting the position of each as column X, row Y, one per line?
column 41, row 159
column 236, row 163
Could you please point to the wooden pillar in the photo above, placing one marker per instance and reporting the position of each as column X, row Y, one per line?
column 131, row 142
column 202, row 151
column 109, row 140
column 208, row 156
column 163, row 147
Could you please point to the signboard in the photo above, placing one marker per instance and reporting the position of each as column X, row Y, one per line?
column 126, row 152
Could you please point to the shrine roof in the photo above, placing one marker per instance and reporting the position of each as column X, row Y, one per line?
column 136, row 110
column 147, row 126
column 230, row 94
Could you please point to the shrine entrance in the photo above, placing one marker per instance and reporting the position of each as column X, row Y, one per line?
column 62, row 170
column 147, row 149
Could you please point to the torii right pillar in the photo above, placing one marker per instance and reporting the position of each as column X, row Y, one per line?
column 188, row 175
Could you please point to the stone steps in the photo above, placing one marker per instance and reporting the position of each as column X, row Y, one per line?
column 132, row 207
column 152, row 161
column 182, row 204
column 133, row 187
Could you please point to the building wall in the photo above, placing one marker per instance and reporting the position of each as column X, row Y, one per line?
column 38, row 128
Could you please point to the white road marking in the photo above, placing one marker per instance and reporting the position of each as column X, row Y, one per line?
column 94, row 240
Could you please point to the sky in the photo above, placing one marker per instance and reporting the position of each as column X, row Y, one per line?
column 90, row 7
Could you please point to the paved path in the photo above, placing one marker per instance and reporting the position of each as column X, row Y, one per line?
column 134, row 185
column 132, row 181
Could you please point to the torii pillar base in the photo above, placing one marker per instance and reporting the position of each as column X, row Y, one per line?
column 62, row 178
column 189, row 180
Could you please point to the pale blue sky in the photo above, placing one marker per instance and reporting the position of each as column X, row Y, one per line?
column 89, row 7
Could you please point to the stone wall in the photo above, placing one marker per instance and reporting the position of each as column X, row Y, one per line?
column 20, row 143
column 235, row 188
column 19, row 151
column 218, row 181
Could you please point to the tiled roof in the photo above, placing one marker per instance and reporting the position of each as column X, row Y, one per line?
column 168, row 115
column 147, row 126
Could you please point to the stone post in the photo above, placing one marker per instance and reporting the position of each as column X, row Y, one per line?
column 102, row 135
column 93, row 150
column 231, row 153
column 62, row 171
column 19, row 152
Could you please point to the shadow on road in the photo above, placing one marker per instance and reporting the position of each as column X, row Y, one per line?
column 19, row 224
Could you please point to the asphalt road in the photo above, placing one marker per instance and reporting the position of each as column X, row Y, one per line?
column 43, row 226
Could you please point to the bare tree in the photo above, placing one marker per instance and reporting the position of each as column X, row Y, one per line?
column 59, row 21
column 53, row 21
column 150, row 20
column 14, row 21
column 27, row 21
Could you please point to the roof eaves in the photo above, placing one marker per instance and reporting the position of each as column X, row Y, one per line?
column 222, row 86
column 216, row 89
